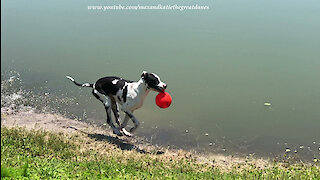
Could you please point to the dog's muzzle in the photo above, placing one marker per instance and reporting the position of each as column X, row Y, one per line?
column 159, row 88
column 163, row 88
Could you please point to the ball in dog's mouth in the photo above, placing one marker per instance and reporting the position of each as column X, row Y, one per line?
column 163, row 99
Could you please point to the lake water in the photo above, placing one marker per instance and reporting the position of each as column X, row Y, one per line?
column 221, row 65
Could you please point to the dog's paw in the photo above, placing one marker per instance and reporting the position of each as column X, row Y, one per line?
column 117, row 132
column 133, row 129
column 125, row 132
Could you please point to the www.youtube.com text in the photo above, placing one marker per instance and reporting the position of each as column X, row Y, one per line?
column 150, row 7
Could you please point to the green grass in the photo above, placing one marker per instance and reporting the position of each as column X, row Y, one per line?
column 44, row 155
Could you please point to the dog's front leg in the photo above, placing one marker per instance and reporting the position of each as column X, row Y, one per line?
column 123, row 125
column 134, row 120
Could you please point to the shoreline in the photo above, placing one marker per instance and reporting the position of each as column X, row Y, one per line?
column 31, row 120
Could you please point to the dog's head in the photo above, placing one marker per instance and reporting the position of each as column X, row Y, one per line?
column 153, row 81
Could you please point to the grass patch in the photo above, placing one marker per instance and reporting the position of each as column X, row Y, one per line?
column 14, row 172
column 45, row 155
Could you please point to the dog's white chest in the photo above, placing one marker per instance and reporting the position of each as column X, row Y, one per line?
column 135, row 99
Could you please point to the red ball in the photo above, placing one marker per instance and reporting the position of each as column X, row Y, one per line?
column 163, row 100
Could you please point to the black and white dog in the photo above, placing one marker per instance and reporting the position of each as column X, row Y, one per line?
column 113, row 91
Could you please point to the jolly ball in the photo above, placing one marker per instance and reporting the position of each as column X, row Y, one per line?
column 163, row 100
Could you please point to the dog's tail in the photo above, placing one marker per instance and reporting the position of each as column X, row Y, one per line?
column 78, row 84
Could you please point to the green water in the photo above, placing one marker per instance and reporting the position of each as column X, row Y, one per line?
column 220, row 65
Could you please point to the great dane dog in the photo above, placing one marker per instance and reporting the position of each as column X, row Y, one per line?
column 114, row 91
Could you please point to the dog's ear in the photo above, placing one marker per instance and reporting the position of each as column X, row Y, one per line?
column 144, row 75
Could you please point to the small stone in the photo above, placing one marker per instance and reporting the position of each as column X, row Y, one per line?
column 187, row 131
column 301, row 147
column 267, row 104
column 206, row 134
column 210, row 144
column 288, row 150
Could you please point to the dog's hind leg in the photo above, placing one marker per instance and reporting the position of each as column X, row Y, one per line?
column 109, row 120
column 115, row 110
column 107, row 105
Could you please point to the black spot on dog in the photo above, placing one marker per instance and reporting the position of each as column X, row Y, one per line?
column 119, row 98
column 124, row 93
column 130, row 115
column 105, row 85
column 152, row 81
column 96, row 95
